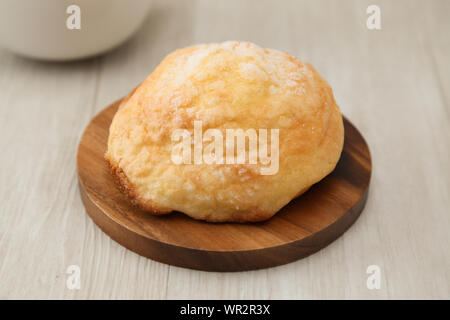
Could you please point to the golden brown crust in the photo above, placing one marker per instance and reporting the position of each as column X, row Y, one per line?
column 129, row 190
column 228, row 85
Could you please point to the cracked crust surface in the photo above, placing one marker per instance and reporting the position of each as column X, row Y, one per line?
column 227, row 85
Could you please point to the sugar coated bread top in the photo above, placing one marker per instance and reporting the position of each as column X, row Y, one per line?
column 174, row 142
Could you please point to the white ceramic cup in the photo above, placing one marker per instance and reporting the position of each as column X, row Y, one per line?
column 38, row 28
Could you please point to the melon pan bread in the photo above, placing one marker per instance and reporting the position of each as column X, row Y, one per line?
column 226, row 85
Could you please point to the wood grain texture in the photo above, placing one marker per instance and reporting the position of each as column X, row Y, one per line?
column 392, row 83
column 304, row 226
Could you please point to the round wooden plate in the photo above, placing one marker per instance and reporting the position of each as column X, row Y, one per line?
column 301, row 228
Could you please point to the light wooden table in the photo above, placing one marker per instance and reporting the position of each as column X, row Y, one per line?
column 392, row 83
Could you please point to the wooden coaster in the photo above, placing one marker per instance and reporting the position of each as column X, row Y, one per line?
column 303, row 227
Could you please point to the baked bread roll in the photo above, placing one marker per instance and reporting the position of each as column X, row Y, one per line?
column 165, row 157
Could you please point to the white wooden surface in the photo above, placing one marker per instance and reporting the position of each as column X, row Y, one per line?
column 392, row 83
